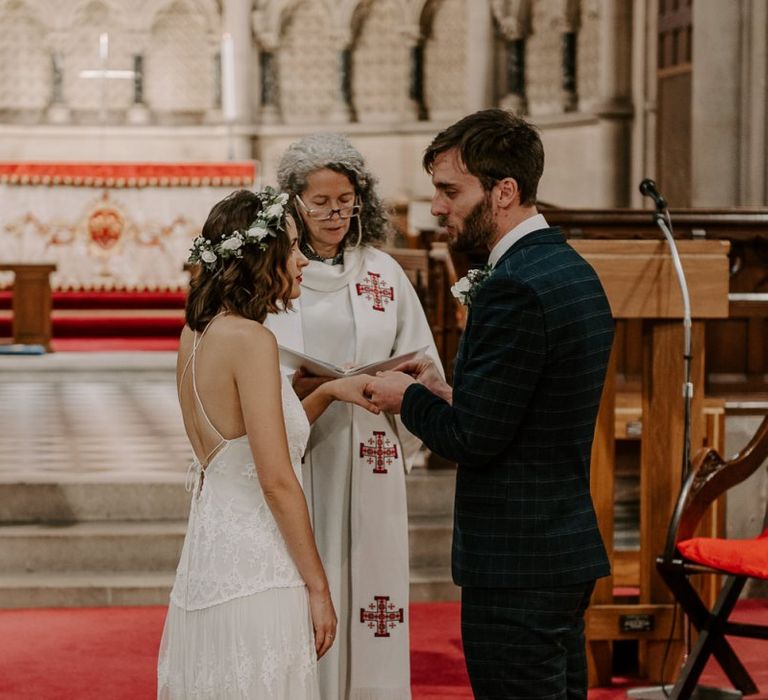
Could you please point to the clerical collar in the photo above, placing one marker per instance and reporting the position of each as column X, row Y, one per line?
column 529, row 225
column 311, row 254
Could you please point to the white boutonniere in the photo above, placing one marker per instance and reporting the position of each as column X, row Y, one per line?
column 466, row 288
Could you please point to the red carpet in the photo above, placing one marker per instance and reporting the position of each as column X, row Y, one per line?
column 110, row 654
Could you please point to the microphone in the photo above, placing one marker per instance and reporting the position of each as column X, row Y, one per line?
column 648, row 189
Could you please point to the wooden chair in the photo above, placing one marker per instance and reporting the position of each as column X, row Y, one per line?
column 736, row 560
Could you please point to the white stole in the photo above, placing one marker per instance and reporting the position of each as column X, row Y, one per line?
column 389, row 320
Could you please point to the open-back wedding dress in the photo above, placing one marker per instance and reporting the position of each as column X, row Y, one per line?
column 238, row 624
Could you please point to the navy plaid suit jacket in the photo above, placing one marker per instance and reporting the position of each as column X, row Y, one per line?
column 527, row 383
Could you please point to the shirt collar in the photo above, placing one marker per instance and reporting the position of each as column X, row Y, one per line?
column 529, row 225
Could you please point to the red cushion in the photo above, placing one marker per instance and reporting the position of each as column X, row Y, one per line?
column 741, row 557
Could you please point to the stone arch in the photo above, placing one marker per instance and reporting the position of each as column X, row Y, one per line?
column 25, row 69
column 208, row 10
column 307, row 63
column 179, row 66
column 380, row 60
column 445, row 49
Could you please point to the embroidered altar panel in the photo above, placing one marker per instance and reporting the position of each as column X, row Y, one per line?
column 125, row 226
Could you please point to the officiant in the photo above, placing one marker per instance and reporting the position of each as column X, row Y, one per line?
column 356, row 307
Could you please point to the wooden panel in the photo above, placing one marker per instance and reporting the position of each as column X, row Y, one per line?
column 640, row 281
column 32, row 302
column 605, row 622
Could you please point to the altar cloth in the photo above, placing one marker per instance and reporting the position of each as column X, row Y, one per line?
column 110, row 226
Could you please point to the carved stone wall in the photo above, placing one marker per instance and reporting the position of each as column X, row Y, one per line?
column 544, row 59
column 308, row 65
column 95, row 98
column 25, row 73
column 380, row 64
column 444, row 61
column 179, row 64
column 588, row 54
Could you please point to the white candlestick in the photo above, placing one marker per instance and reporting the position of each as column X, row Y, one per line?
column 228, row 105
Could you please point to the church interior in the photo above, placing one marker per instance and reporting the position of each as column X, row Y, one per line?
column 122, row 123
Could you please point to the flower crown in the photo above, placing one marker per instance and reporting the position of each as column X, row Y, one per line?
column 267, row 223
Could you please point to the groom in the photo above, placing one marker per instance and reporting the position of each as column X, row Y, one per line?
column 519, row 419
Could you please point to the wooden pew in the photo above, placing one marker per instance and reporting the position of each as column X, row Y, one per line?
column 32, row 302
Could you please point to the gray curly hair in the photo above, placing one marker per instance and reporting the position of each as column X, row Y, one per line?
column 335, row 152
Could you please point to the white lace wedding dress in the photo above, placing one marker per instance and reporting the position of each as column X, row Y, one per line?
column 238, row 624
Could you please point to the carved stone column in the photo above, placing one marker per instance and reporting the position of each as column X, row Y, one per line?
column 236, row 21
column 213, row 115
column 268, row 38
column 568, row 24
column 341, row 110
column 58, row 111
column 138, row 112
column 414, row 106
column 514, row 21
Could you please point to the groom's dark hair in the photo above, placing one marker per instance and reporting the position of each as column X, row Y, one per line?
column 494, row 144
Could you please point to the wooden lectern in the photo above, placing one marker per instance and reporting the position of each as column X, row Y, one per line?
column 32, row 302
column 640, row 281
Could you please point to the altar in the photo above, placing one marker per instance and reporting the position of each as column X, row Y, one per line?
column 110, row 226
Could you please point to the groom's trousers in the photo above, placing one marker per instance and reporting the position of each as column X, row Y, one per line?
column 524, row 644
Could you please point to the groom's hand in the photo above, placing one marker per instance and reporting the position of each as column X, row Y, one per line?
column 425, row 372
column 387, row 390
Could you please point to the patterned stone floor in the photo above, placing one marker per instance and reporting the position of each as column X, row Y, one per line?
column 79, row 414
column 116, row 415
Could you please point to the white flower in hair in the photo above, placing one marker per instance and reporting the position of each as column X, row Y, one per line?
column 268, row 222
column 234, row 243
column 258, row 231
column 274, row 211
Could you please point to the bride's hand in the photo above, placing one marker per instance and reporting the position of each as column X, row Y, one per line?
column 305, row 383
column 352, row 390
column 323, row 621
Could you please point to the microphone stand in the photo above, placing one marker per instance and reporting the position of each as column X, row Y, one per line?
column 663, row 220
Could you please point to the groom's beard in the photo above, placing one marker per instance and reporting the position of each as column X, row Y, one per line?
column 477, row 230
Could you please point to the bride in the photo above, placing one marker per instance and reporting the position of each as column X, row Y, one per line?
column 250, row 609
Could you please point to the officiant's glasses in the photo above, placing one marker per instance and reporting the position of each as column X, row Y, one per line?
column 323, row 214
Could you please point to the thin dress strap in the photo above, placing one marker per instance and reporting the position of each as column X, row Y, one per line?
column 191, row 360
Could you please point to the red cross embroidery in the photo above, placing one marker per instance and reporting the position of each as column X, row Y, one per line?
column 376, row 290
column 381, row 615
column 379, row 450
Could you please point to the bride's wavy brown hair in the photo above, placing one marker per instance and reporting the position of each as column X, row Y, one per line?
column 251, row 286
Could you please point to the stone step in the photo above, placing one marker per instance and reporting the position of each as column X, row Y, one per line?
column 429, row 584
column 429, row 540
column 118, row 546
column 430, row 491
column 84, row 589
column 112, row 546
column 97, row 497
column 94, row 589
column 158, row 497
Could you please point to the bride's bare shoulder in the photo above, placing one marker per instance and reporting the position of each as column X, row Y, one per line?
column 245, row 334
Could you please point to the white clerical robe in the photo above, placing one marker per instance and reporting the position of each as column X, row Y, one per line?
column 363, row 311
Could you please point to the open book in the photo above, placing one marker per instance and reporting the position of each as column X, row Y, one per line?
column 291, row 360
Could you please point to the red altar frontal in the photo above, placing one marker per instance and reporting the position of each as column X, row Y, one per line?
column 110, row 226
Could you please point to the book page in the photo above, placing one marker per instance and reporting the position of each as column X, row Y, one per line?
column 292, row 360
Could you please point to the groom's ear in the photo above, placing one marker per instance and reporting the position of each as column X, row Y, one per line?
column 507, row 193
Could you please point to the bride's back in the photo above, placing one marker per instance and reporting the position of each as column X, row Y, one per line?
column 205, row 378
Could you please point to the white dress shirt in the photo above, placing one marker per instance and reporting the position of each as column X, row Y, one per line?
column 531, row 224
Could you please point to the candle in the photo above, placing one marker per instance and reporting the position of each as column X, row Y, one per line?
column 228, row 106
